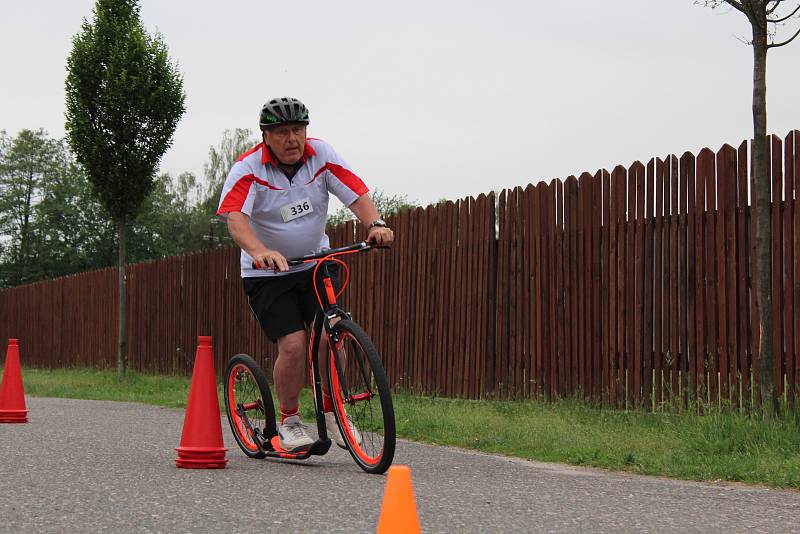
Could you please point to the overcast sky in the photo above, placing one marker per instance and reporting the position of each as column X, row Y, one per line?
column 434, row 99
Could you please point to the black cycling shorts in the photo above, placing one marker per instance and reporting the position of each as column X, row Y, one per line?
column 283, row 304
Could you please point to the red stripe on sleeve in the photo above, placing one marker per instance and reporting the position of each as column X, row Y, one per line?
column 235, row 198
column 348, row 178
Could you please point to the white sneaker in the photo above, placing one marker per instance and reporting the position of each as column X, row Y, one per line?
column 333, row 430
column 292, row 434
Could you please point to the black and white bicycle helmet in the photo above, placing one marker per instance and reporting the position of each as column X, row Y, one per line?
column 282, row 110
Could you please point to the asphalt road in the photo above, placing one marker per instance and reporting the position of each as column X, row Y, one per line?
column 92, row 466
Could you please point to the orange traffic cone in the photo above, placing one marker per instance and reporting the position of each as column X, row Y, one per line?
column 399, row 510
column 201, row 442
column 12, row 394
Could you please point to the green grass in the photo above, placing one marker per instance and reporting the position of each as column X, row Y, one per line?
column 719, row 446
column 716, row 446
column 171, row 391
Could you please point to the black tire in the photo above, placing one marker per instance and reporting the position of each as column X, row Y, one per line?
column 248, row 403
column 359, row 390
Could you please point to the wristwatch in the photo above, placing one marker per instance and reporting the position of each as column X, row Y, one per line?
column 377, row 222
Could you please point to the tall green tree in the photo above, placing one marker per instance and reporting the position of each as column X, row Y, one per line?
column 4, row 238
column 71, row 228
column 27, row 163
column 50, row 225
column 221, row 158
column 766, row 17
column 170, row 221
column 124, row 100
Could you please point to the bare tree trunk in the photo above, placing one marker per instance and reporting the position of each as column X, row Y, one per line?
column 768, row 393
column 122, row 353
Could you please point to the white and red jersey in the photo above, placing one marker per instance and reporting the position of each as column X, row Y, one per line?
column 288, row 215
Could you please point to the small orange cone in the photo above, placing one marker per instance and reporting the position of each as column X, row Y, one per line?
column 12, row 394
column 201, row 442
column 399, row 510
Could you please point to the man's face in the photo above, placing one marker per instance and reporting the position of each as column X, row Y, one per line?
column 287, row 141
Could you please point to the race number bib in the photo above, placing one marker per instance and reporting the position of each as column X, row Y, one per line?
column 296, row 209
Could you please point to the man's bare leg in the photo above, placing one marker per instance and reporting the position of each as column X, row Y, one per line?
column 289, row 373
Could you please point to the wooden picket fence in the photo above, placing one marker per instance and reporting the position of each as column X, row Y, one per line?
column 630, row 288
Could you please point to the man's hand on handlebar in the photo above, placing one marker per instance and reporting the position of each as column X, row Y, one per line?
column 380, row 235
column 270, row 259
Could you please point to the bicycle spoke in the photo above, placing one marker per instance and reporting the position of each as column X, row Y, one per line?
column 247, row 409
column 361, row 396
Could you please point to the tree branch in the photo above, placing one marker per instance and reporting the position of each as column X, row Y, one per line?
column 735, row 4
column 787, row 17
column 787, row 41
column 771, row 10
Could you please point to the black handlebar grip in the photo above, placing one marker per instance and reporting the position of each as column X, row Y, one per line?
column 290, row 262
